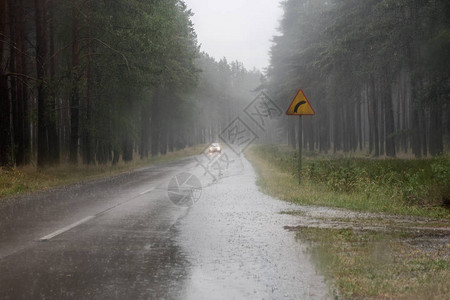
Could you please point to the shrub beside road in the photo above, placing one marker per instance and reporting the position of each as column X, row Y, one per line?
column 394, row 186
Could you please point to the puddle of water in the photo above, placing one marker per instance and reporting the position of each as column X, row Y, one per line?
column 237, row 247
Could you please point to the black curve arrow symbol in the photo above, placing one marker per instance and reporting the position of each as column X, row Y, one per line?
column 298, row 105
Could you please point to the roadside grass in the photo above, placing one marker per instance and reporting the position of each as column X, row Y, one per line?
column 30, row 179
column 374, row 265
column 399, row 263
column 394, row 186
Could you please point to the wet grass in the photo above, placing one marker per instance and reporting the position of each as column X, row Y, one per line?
column 29, row 179
column 396, row 186
column 373, row 265
column 398, row 262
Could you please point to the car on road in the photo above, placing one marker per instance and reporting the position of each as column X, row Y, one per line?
column 215, row 147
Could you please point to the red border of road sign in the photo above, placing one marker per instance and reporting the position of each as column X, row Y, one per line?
column 300, row 91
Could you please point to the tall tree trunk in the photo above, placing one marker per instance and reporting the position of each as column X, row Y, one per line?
column 53, row 141
column 404, row 110
column 371, row 117
column 65, row 124
column 423, row 132
column 353, row 130
column 324, row 127
column 87, row 124
column 5, row 139
column 374, row 100
column 90, row 84
column 41, row 57
column 436, row 132
column 337, row 123
column 171, row 138
column 381, row 120
column 155, row 124
column 13, row 82
column 145, row 129
column 75, row 97
column 21, row 123
column 389, row 119
column 359, row 127
column 415, row 134
column 116, row 156
column 345, row 128
column 163, row 140
column 127, row 148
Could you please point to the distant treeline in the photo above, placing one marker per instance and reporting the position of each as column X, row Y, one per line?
column 377, row 73
column 102, row 80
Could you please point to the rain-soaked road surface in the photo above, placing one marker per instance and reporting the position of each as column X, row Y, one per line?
column 123, row 238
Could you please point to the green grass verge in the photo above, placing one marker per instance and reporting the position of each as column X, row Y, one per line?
column 29, row 179
column 396, row 186
column 374, row 265
column 367, row 264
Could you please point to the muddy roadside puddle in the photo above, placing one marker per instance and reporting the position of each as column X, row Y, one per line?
column 367, row 255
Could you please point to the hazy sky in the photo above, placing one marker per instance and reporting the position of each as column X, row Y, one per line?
column 236, row 29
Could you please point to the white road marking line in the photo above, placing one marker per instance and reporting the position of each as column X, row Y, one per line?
column 67, row 228
column 147, row 191
column 71, row 226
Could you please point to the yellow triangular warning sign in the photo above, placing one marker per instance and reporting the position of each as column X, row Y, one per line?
column 300, row 106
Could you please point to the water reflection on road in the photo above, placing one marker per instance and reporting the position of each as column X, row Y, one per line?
column 238, row 249
column 130, row 241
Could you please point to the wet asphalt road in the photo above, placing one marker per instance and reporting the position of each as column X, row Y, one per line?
column 123, row 238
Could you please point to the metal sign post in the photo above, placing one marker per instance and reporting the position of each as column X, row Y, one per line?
column 300, row 106
column 300, row 147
